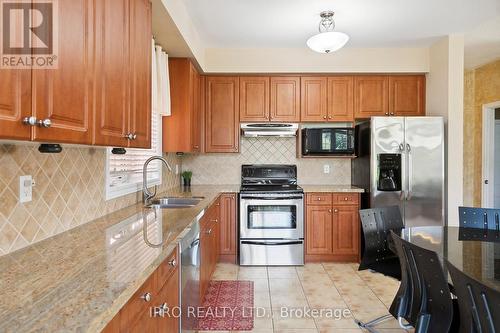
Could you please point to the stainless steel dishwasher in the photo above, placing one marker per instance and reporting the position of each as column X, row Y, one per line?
column 190, row 278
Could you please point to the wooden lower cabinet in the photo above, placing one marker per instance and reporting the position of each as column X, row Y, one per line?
column 143, row 312
column 209, row 245
column 332, row 227
column 228, row 228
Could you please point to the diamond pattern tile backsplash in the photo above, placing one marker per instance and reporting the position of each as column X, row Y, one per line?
column 226, row 168
column 69, row 191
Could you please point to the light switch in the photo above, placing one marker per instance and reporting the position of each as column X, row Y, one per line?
column 25, row 188
column 326, row 168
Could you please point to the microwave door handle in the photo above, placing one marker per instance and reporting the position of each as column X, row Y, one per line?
column 272, row 243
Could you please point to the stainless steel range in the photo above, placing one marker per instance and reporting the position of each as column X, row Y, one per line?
column 271, row 216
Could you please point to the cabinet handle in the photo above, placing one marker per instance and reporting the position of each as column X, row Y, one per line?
column 319, row 199
column 392, row 113
column 346, row 198
column 146, row 297
column 329, row 211
column 31, row 121
column 159, row 311
column 215, row 220
column 329, row 117
column 387, row 113
column 134, row 136
column 129, row 136
column 46, row 123
column 324, row 117
column 173, row 262
column 335, row 210
column 196, row 147
column 208, row 232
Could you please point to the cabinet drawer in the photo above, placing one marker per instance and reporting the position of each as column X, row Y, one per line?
column 166, row 268
column 318, row 199
column 346, row 199
column 137, row 307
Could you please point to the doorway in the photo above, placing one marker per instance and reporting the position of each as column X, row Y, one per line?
column 491, row 156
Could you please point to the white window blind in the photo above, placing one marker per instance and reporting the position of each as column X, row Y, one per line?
column 124, row 172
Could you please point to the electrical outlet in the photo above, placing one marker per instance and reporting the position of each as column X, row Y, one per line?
column 326, row 168
column 25, row 188
column 177, row 169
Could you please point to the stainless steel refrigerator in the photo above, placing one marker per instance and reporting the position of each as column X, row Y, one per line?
column 401, row 162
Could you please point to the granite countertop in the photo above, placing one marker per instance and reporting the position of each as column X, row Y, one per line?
column 331, row 188
column 78, row 280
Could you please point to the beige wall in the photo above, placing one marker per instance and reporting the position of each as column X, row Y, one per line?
column 69, row 191
column 482, row 86
column 289, row 60
column 226, row 168
column 445, row 98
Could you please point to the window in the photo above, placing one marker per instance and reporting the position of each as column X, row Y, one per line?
column 124, row 172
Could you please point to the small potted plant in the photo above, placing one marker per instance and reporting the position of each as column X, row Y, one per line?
column 186, row 177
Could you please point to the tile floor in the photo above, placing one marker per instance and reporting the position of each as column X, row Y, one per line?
column 338, row 286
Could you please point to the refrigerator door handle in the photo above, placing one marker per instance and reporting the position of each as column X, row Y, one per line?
column 410, row 171
column 401, row 147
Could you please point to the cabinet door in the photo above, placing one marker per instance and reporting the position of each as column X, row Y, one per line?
column 169, row 294
column 285, row 98
column 65, row 95
column 222, row 116
column 346, row 230
column 371, row 96
column 254, row 98
column 15, row 103
column 197, row 112
column 407, row 95
column 341, row 98
column 318, row 230
column 313, row 99
column 112, row 73
column 228, row 226
column 140, row 76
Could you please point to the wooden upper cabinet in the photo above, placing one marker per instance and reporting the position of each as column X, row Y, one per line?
column 140, row 76
column 313, row 101
column 346, row 231
column 285, row 98
column 182, row 129
column 371, row 96
column 341, row 98
column 319, row 230
column 254, row 98
column 112, row 73
column 65, row 95
column 407, row 95
column 15, row 103
column 222, row 131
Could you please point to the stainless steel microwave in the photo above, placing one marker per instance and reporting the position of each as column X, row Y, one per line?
column 328, row 141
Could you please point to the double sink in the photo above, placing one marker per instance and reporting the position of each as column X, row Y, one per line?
column 174, row 202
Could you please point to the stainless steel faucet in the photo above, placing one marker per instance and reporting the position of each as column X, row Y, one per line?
column 146, row 195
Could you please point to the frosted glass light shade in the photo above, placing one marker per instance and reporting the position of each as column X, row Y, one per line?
column 326, row 42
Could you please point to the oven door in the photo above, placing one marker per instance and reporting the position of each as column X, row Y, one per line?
column 271, row 217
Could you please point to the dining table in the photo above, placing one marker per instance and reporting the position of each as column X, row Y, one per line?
column 476, row 252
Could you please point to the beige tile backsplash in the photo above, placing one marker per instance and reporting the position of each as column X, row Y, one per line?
column 69, row 191
column 226, row 168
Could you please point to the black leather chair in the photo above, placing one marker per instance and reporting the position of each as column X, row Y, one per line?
column 479, row 305
column 377, row 255
column 426, row 303
column 479, row 218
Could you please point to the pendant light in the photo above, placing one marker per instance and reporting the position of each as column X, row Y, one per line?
column 327, row 40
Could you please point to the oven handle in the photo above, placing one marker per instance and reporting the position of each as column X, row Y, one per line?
column 272, row 198
column 272, row 243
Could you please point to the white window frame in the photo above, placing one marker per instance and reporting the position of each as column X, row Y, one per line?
column 128, row 188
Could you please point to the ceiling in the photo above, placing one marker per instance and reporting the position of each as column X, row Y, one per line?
column 370, row 23
column 482, row 44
